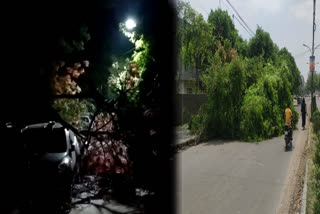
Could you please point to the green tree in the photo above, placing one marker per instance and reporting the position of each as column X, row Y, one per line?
column 261, row 45
column 223, row 26
column 225, row 83
column 195, row 39
column 241, row 46
column 294, row 77
column 253, row 69
column 316, row 81
column 264, row 104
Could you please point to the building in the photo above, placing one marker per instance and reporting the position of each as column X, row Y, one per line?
column 186, row 80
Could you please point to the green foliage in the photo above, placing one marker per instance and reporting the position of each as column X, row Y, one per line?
column 261, row 45
column 195, row 40
column 127, row 74
column 77, row 43
column 141, row 55
column 225, row 83
column 249, row 84
column 241, row 46
column 294, row 73
column 71, row 110
column 263, row 107
column 198, row 123
column 223, row 26
column 316, row 121
column 253, row 70
column 314, row 104
column 235, row 110
column 316, row 81
column 252, row 120
column 316, row 173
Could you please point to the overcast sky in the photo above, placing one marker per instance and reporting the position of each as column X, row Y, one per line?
column 289, row 23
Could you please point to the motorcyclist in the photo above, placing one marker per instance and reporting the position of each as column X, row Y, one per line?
column 288, row 114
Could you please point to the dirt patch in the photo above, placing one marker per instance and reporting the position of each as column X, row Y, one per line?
column 295, row 203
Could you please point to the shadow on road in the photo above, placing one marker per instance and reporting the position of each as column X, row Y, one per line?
column 218, row 141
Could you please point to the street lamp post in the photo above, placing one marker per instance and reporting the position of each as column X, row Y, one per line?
column 312, row 54
column 313, row 30
column 307, row 47
column 312, row 49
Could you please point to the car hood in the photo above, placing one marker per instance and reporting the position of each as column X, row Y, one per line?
column 51, row 157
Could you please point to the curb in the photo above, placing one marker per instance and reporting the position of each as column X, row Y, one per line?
column 190, row 142
column 304, row 196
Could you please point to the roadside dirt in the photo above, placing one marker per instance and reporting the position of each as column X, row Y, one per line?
column 295, row 203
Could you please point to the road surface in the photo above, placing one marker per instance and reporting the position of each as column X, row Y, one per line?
column 221, row 177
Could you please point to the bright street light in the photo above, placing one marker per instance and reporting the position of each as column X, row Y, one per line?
column 130, row 24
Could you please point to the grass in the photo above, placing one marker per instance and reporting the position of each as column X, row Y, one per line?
column 311, row 196
column 310, row 190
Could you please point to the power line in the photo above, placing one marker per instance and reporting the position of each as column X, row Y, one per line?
column 243, row 26
column 228, row 7
column 233, row 16
column 240, row 17
column 203, row 9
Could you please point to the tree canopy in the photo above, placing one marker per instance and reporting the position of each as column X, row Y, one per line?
column 249, row 84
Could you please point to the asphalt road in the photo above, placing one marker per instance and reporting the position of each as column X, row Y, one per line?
column 221, row 177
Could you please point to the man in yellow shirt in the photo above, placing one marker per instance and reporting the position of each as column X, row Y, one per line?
column 288, row 114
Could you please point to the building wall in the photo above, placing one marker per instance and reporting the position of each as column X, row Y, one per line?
column 187, row 105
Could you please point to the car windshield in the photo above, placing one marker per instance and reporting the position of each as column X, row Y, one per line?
column 44, row 141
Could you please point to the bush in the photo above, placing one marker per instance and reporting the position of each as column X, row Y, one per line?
column 225, row 84
column 314, row 104
column 251, row 126
column 198, row 123
column 316, row 175
column 316, row 121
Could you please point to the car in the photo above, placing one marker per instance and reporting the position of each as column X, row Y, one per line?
column 53, row 153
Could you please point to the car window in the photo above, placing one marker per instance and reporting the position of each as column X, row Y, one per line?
column 44, row 141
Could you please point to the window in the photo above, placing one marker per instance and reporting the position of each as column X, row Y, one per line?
column 42, row 140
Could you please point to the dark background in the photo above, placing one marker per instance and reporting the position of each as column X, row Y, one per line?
column 28, row 30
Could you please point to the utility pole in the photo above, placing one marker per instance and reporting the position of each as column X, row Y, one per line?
column 313, row 30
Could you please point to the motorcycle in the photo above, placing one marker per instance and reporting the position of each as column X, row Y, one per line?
column 288, row 136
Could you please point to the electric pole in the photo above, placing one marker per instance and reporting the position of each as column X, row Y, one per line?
column 313, row 30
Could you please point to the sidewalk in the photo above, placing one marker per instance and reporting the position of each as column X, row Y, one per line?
column 182, row 138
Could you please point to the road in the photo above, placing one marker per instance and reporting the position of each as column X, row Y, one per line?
column 234, row 177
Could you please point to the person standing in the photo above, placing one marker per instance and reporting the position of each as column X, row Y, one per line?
column 303, row 113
